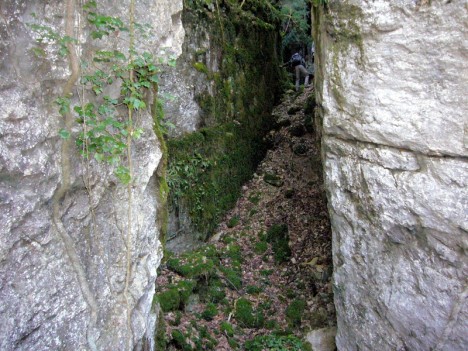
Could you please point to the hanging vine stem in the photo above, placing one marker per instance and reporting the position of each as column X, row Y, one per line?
column 220, row 22
column 65, row 183
column 129, row 185
column 85, row 161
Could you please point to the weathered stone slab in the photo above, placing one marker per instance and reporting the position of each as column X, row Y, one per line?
column 391, row 86
column 63, row 273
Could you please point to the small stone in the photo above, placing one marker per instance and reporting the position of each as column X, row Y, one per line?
column 322, row 339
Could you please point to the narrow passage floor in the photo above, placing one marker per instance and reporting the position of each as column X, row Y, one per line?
column 265, row 277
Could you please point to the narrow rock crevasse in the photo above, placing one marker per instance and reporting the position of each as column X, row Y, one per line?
column 266, row 274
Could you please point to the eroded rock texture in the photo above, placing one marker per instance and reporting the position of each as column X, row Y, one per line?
column 392, row 86
column 66, row 280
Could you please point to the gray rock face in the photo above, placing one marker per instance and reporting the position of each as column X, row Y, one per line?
column 185, row 83
column 71, row 275
column 392, row 86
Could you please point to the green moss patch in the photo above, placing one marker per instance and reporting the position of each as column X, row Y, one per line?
column 176, row 296
column 247, row 316
column 197, row 264
column 260, row 247
column 278, row 236
column 233, row 252
column 213, row 292
column 227, row 328
column 275, row 342
column 169, row 300
column 234, row 221
column 201, row 67
column 253, row 289
column 295, row 311
column 233, row 277
column 273, row 179
column 206, row 168
column 210, row 312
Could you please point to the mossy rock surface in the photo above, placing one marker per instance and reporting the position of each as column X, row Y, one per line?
column 231, row 142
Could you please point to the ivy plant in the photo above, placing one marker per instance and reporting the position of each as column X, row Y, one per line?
column 106, row 128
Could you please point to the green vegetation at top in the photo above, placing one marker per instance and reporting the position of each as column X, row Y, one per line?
column 295, row 24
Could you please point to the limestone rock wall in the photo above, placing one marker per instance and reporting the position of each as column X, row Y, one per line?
column 65, row 281
column 392, row 81
column 225, row 85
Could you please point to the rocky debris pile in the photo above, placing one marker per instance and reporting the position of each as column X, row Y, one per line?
column 264, row 280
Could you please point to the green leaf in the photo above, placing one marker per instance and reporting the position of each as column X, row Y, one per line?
column 64, row 104
column 99, row 157
column 97, row 90
column 38, row 52
column 89, row 5
column 172, row 62
column 123, row 174
column 137, row 104
column 64, row 134
column 98, row 34
column 137, row 133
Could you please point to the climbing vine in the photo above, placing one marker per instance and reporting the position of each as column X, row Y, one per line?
column 106, row 129
column 103, row 97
